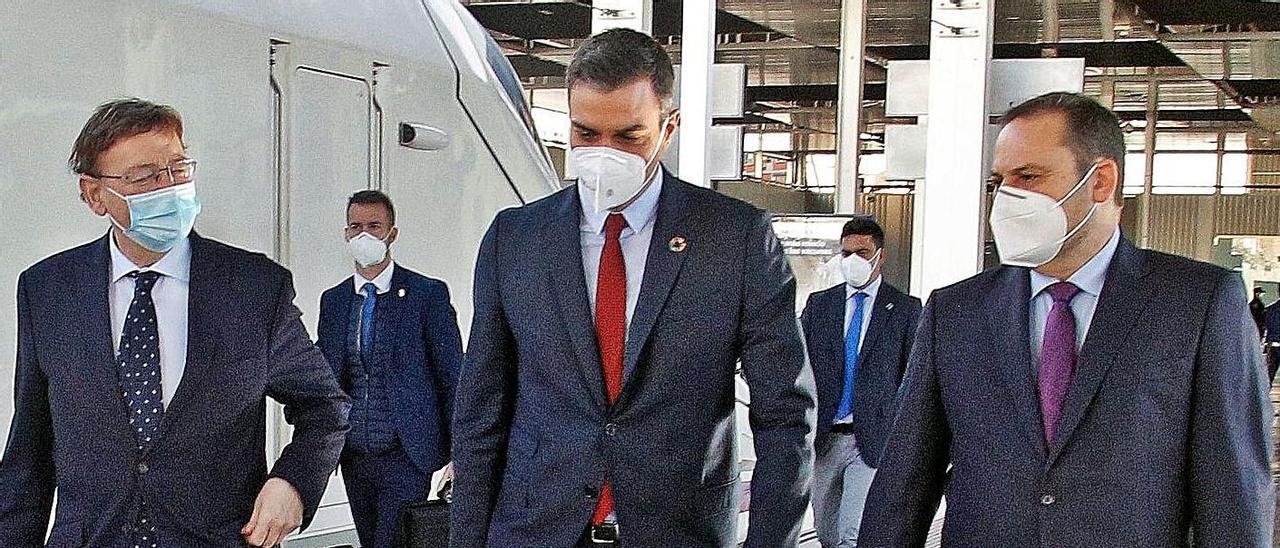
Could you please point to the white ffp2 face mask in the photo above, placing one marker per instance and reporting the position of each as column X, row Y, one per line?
column 614, row 177
column 856, row 270
column 366, row 249
column 1029, row 227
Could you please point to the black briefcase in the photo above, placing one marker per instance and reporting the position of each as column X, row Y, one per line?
column 426, row 523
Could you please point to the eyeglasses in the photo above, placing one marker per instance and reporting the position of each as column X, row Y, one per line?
column 180, row 172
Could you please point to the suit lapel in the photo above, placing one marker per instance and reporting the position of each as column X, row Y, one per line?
column 387, row 340
column 563, row 270
column 1008, row 324
column 343, row 323
column 881, row 310
column 1122, row 300
column 661, row 269
column 205, row 295
column 834, row 321
column 92, row 305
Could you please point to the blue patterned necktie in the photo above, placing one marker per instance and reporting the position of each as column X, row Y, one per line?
column 139, row 359
column 852, row 344
column 366, row 319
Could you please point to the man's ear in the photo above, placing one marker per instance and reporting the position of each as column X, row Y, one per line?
column 674, row 119
column 91, row 194
column 1106, row 180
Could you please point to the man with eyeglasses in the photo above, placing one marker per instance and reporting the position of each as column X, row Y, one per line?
column 391, row 336
column 144, row 360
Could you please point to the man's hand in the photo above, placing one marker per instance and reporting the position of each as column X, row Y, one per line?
column 276, row 513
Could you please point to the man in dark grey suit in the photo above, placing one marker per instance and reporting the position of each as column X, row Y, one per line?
column 596, row 403
column 1087, row 393
column 859, row 337
column 145, row 359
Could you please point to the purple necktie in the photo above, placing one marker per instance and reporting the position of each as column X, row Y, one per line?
column 1057, row 356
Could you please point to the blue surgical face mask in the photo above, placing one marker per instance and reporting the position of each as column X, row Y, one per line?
column 159, row 219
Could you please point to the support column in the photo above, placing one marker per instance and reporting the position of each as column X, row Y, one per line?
column 1107, row 18
column 629, row 14
column 949, row 203
column 1051, row 33
column 1149, row 152
column 853, row 31
column 697, row 53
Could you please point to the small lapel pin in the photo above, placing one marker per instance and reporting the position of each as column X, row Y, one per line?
column 888, row 306
column 678, row 244
column 400, row 293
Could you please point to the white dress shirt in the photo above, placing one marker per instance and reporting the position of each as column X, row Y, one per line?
column 871, row 290
column 1090, row 279
column 850, row 306
column 382, row 281
column 170, row 296
column 635, row 239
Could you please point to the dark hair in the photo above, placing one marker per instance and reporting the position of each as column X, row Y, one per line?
column 1093, row 131
column 617, row 57
column 373, row 197
column 1257, row 290
column 864, row 225
column 116, row 120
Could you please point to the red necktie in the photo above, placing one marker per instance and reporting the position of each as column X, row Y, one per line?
column 611, row 328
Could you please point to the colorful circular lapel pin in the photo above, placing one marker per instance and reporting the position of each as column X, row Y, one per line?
column 678, row 244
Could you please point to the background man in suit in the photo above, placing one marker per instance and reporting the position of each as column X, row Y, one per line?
column 1258, row 309
column 596, row 406
column 391, row 336
column 144, row 360
column 859, row 337
column 1087, row 393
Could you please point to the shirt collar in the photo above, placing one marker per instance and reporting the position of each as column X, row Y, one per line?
column 871, row 290
column 640, row 213
column 382, row 281
column 176, row 263
column 1089, row 278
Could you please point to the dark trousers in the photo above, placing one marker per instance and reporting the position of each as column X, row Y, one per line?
column 379, row 488
column 1273, row 362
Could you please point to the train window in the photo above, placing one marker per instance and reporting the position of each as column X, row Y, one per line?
column 510, row 83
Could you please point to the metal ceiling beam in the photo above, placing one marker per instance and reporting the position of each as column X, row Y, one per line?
column 1218, row 36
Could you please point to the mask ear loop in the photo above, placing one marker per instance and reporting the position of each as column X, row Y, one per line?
column 1092, row 169
column 657, row 146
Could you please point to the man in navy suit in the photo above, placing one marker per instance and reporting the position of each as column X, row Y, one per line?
column 596, row 406
column 1086, row 393
column 859, row 337
column 391, row 336
column 144, row 361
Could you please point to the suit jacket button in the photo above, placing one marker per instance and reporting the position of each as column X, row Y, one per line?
column 124, row 529
column 1048, row 500
column 143, row 468
column 611, row 429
